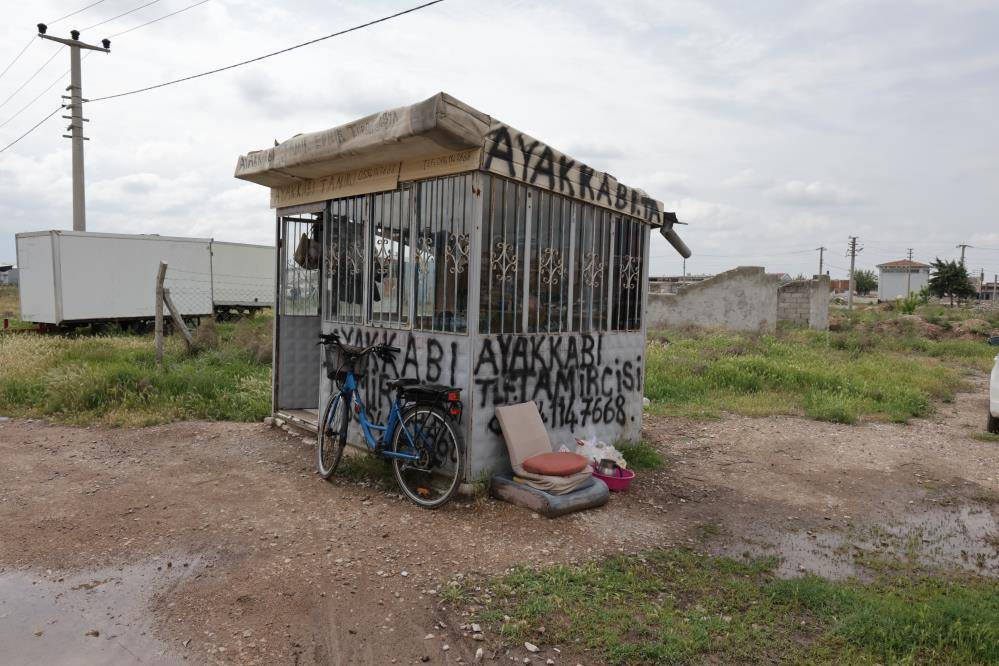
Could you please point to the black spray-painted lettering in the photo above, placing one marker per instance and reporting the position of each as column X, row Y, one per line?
column 528, row 150
column 502, row 149
column 511, row 148
column 425, row 359
column 545, row 167
column 574, row 382
column 564, row 183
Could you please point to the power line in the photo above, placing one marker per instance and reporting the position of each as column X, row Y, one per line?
column 17, row 57
column 36, row 98
column 30, row 79
column 90, row 27
column 62, row 18
column 165, row 16
column 32, row 40
column 87, row 55
column 37, row 125
column 269, row 55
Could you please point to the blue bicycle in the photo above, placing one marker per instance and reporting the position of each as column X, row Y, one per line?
column 419, row 438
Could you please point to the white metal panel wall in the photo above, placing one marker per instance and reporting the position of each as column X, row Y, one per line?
column 37, row 287
column 108, row 276
column 892, row 285
column 242, row 275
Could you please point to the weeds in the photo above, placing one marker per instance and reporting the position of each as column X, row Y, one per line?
column 669, row 607
column 114, row 379
column 9, row 302
column 840, row 377
column 640, row 455
column 361, row 465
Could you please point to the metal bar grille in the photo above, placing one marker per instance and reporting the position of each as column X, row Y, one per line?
column 346, row 250
column 442, row 226
column 629, row 252
column 390, row 249
column 301, row 253
column 583, row 264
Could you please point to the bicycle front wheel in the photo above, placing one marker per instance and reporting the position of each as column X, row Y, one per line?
column 427, row 433
column 332, row 434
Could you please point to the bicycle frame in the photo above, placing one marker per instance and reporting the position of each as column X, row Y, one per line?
column 369, row 428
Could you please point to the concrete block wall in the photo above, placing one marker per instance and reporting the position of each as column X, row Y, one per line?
column 805, row 303
column 742, row 299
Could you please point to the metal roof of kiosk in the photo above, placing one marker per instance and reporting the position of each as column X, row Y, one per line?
column 438, row 136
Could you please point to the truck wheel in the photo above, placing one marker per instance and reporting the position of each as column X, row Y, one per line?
column 993, row 425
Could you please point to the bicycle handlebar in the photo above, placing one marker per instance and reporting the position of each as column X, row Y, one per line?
column 334, row 339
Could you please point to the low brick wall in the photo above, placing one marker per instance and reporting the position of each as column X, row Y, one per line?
column 805, row 303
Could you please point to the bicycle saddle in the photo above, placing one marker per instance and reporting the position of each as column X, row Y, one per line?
column 401, row 382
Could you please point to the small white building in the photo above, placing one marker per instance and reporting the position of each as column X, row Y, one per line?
column 898, row 279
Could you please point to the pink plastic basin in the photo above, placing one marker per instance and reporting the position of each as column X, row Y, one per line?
column 620, row 481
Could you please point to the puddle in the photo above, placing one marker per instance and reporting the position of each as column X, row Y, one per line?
column 965, row 537
column 98, row 617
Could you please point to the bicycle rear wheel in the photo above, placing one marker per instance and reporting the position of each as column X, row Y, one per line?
column 427, row 432
column 332, row 434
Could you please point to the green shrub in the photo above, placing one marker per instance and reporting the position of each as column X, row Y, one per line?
column 640, row 455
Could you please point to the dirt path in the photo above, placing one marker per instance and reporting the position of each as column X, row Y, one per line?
column 215, row 542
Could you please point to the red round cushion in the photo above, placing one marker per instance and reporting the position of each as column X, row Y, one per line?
column 556, row 464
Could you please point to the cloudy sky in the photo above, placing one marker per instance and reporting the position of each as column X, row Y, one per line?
column 772, row 128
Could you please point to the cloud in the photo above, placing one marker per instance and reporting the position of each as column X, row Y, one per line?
column 815, row 193
column 748, row 178
column 761, row 124
column 665, row 183
column 596, row 152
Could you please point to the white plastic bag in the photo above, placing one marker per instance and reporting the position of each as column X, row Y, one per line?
column 596, row 451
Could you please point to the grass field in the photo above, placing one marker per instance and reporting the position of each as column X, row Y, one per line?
column 669, row 607
column 841, row 376
column 114, row 379
column 838, row 376
column 8, row 301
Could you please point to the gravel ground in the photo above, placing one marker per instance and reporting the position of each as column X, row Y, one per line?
column 216, row 542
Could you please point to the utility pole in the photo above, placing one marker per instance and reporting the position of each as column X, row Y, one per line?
column 908, row 276
column 963, row 247
column 75, row 117
column 852, row 249
column 995, row 290
column 821, row 252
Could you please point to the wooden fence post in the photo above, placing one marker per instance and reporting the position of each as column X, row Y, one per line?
column 178, row 321
column 160, row 276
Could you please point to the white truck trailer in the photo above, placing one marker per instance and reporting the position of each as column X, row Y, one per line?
column 242, row 277
column 70, row 278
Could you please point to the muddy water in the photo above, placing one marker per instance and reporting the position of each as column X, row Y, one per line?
column 97, row 617
column 965, row 537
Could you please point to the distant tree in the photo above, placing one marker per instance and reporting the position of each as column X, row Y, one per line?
column 864, row 282
column 950, row 279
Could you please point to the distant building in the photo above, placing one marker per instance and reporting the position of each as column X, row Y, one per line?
column 839, row 286
column 989, row 291
column 901, row 278
column 8, row 274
